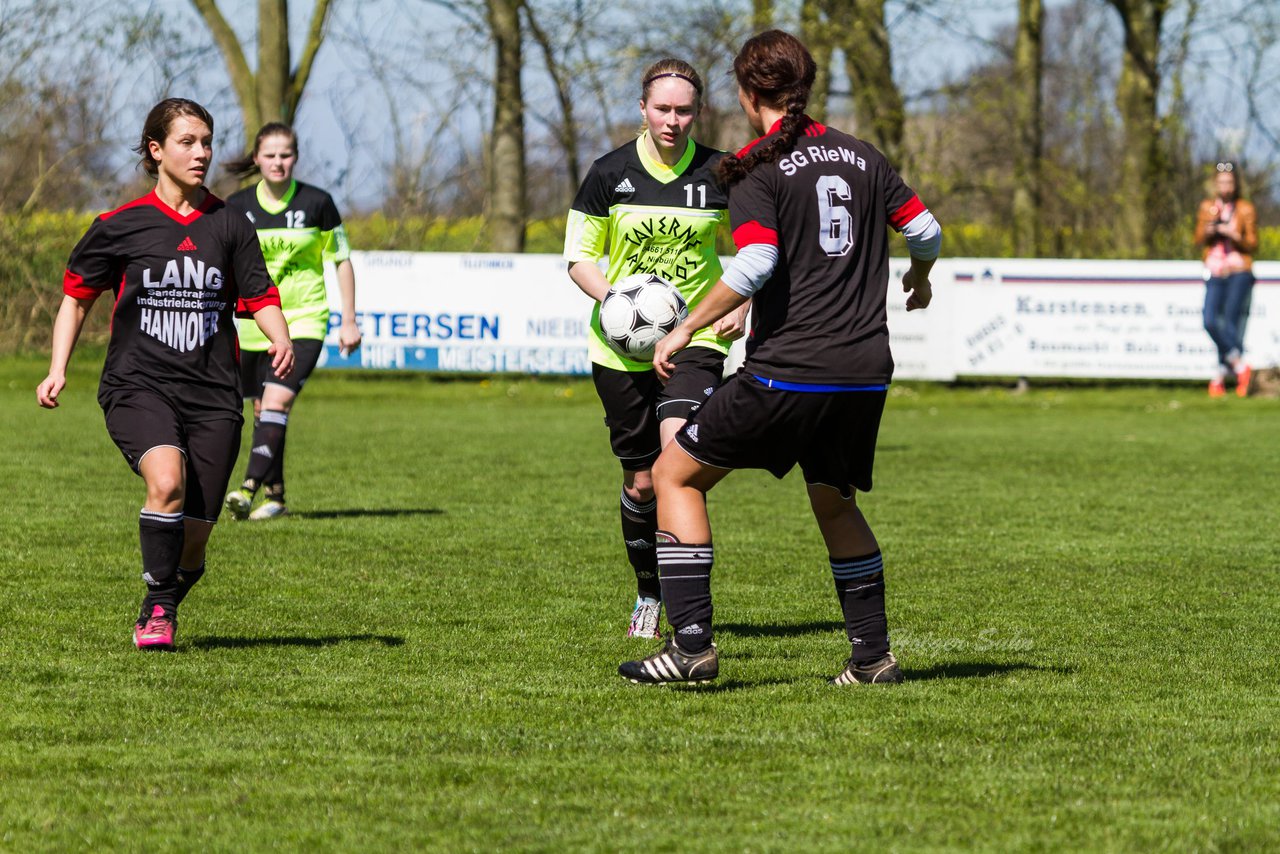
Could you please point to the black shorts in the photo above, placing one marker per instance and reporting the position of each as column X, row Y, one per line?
column 139, row 421
column 636, row 402
column 832, row 435
column 255, row 367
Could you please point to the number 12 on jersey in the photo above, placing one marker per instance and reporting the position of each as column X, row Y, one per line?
column 836, row 237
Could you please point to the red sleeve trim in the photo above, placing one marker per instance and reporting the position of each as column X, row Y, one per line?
column 909, row 211
column 247, row 306
column 753, row 232
column 73, row 286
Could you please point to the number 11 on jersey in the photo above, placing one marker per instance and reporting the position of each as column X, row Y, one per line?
column 688, row 195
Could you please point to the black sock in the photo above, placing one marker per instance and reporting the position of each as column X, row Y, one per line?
column 686, row 589
column 639, row 522
column 187, row 579
column 160, row 536
column 268, row 444
column 860, row 589
column 274, row 492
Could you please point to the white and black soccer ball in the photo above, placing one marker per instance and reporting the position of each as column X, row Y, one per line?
column 638, row 312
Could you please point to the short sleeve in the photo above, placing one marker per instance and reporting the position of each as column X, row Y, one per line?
column 94, row 265
column 336, row 246
column 586, row 236
column 753, row 210
column 901, row 202
column 254, row 288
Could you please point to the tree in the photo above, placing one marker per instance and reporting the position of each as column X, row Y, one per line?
column 508, row 210
column 1028, row 69
column 273, row 91
column 1143, row 165
column 878, row 108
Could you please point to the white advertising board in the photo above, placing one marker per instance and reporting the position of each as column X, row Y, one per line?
column 521, row 314
column 1118, row 319
column 468, row 313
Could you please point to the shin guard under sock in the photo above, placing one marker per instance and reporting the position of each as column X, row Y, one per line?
column 187, row 579
column 268, row 444
column 685, row 571
column 160, row 535
column 639, row 523
column 860, row 589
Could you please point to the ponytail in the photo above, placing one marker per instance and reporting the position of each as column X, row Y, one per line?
column 778, row 69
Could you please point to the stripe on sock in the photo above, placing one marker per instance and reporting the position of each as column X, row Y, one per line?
column 638, row 507
column 847, row 569
column 274, row 416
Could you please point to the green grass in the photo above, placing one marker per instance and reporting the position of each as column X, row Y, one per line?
column 1082, row 583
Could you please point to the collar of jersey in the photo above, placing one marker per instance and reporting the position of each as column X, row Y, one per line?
column 273, row 207
column 153, row 198
column 659, row 170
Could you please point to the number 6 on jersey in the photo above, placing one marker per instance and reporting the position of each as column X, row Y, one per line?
column 836, row 237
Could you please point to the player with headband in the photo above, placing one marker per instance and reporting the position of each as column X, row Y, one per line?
column 652, row 206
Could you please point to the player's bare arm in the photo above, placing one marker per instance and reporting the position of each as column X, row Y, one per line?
column 733, row 325
column 66, row 331
column 915, row 283
column 349, row 336
column 718, row 302
column 590, row 279
column 270, row 320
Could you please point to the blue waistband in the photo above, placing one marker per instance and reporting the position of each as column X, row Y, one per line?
column 820, row 387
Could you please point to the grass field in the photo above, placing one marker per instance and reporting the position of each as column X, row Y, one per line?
column 1082, row 589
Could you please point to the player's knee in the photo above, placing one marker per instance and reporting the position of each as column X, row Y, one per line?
column 829, row 504
column 639, row 486
column 165, row 489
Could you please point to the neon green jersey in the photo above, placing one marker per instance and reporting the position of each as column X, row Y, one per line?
column 298, row 235
column 648, row 217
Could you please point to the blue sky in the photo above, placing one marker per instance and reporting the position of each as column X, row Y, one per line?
column 345, row 121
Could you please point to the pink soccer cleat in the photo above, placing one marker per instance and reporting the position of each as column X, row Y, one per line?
column 157, row 632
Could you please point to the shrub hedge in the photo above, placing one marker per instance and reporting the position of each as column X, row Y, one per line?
column 34, row 249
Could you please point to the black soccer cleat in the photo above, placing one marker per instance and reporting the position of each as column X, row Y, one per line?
column 672, row 664
column 883, row 671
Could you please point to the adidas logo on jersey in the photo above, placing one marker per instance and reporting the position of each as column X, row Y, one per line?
column 186, row 245
column 692, row 432
column 625, row 187
column 263, row 450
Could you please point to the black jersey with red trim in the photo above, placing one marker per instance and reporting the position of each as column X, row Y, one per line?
column 826, row 204
column 177, row 280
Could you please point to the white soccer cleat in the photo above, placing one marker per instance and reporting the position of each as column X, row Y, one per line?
column 269, row 509
column 644, row 620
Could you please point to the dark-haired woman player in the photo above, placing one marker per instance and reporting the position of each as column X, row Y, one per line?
column 181, row 264
column 300, row 229
column 651, row 206
column 809, row 207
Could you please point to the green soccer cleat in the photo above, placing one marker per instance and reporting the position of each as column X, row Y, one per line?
column 238, row 502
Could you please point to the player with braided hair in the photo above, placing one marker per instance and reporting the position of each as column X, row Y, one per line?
column 809, row 206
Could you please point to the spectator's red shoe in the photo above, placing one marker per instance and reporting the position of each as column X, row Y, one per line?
column 1243, row 376
column 1217, row 388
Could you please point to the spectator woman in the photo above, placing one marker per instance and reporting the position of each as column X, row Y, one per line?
column 1227, row 229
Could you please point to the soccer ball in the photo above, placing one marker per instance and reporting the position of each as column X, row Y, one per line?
column 638, row 311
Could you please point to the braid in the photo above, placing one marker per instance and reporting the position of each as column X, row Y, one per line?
column 778, row 68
